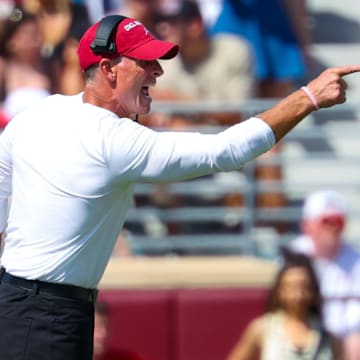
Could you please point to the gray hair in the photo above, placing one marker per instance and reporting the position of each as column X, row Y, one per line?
column 90, row 72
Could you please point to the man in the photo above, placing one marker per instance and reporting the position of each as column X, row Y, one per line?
column 337, row 264
column 71, row 163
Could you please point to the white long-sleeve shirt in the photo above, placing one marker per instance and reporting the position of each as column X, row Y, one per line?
column 71, row 167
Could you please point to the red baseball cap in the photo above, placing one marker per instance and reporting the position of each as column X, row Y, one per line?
column 132, row 39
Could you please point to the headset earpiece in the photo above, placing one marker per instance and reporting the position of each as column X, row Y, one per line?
column 103, row 42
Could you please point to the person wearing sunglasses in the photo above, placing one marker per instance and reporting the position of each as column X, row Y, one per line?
column 337, row 263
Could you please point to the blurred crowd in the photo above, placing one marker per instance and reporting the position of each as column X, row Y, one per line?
column 262, row 57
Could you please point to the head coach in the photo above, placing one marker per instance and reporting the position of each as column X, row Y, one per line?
column 70, row 163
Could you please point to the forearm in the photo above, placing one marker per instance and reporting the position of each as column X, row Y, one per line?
column 286, row 114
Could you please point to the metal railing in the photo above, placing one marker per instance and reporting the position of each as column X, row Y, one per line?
column 302, row 169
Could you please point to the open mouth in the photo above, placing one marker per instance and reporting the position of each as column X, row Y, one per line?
column 145, row 92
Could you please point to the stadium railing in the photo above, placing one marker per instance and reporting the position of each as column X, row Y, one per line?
column 322, row 152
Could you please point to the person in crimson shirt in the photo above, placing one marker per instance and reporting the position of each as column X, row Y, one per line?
column 101, row 333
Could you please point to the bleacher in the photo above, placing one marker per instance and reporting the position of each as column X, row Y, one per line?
column 320, row 153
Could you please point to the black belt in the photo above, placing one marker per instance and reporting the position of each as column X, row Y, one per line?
column 43, row 287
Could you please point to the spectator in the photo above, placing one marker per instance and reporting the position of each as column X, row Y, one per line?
column 24, row 77
column 70, row 79
column 142, row 10
column 58, row 19
column 337, row 264
column 279, row 35
column 97, row 9
column 62, row 24
column 292, row 327
column 208, row 68
column 210, row 11
column 101, row 333
column 280, row 38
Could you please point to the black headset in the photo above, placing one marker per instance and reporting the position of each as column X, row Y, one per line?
column 104, row 43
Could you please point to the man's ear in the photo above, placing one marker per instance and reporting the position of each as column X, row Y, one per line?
column 106, row 67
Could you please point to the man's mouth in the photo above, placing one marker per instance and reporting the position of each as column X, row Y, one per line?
column 145, row 91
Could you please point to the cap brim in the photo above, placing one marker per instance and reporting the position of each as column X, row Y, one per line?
column 154, row 50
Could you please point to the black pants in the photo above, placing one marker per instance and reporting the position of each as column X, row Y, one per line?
column 44, row 327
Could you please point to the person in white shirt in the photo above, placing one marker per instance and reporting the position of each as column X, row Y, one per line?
column 70, row 164
column 337, row 264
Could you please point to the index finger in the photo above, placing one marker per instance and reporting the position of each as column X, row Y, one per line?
column 346, row 70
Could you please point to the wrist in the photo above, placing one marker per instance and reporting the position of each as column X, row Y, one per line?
column 311, row 96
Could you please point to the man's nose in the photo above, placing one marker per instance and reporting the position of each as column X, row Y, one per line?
column 157, row 70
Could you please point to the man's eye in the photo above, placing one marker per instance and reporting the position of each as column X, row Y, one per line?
column 143, row 63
